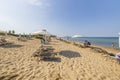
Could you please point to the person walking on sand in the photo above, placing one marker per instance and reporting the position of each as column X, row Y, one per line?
column 113, row 45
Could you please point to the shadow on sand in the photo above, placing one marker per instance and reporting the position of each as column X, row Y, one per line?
column 53, row 59
column 8, row 77
column 69, row 54
column 12, row 46
column 51, row 44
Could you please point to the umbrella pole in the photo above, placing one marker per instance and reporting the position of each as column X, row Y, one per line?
column 45, row 39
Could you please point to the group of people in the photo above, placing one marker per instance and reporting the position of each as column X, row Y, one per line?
column 117, row 56
column 86, row 43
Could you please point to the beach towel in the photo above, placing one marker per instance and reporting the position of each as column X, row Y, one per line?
column 118, row 55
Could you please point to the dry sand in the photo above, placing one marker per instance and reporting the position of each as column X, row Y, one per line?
column 73, row 63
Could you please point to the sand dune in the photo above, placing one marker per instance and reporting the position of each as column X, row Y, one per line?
column 73, row 63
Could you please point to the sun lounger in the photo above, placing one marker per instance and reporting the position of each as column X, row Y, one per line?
column 44, row 52
column 21, row 39
column 99, row 50
column 4, row 42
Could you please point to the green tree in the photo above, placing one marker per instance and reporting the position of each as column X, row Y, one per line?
column 9, row 32
column 13, row 32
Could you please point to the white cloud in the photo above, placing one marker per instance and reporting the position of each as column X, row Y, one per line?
column 7, row 20
column 39, row 3
column 35, row 2
column 18, row 14
column 8, row 23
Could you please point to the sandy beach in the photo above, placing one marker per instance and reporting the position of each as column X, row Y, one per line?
column 71, row 63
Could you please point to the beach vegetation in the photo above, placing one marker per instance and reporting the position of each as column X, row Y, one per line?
column 13, row 31
column 9, row 32
column 2, row 33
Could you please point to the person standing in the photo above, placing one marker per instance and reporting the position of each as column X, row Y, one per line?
column 43, row 41
column 113, row 45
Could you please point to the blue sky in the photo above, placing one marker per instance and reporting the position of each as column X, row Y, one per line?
column 62, row 17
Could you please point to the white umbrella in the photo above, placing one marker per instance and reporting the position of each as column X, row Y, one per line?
column 76, row 36
column 43, row 32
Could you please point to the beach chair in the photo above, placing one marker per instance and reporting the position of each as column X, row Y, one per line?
column 44, row 52
column 21, row 39
column 98, row 50
column 4, row 42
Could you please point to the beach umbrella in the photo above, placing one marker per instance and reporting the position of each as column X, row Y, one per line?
column 43, row 32
column 77, row 36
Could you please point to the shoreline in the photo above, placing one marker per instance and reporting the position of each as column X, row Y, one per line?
column 95, row 45
column 101, row 41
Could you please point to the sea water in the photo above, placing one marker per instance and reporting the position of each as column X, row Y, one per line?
column 102, row 41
